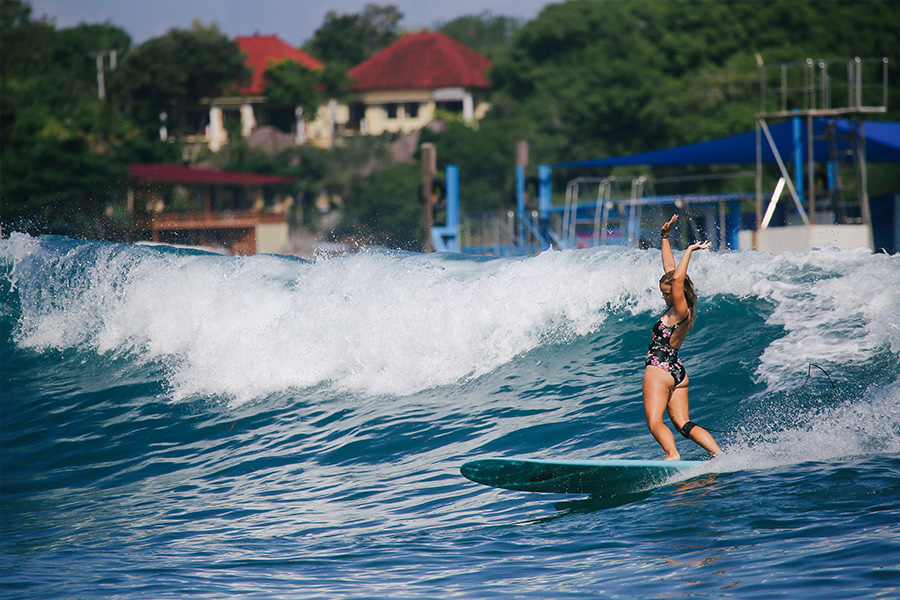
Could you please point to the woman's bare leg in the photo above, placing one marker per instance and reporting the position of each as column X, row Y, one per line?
column 678, row 412
column 657, row 389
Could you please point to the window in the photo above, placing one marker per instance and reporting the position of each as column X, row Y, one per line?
column 357, row 114
column 390, row 110
column 454, row 106
column 411, row 109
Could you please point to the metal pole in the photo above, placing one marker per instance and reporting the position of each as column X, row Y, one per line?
column 811, row 169
column 101, row 84
column 863, row 177
column 759, row 212
column 797, row 145
column 520, row 204
column 720, row 242
column 545, row 198
column 429, row 167
column 784, row 173
column 521, row 195
column 453, row 208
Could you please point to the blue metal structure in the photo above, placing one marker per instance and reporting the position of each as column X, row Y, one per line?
column 445, row 238
column 617, row 221
column 882, row 145
column 622, row 221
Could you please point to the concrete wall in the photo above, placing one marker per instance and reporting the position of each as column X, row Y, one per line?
column 320, row 131
column 377, row 121
column 271, row 238
column 799, row 238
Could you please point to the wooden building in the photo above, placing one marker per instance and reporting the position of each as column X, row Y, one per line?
column 243, row 213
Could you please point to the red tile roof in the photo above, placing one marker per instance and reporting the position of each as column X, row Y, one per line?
column 170, row 173
column 265, row 50
column 422, row 61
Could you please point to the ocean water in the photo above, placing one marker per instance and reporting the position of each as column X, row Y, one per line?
column 185, row 425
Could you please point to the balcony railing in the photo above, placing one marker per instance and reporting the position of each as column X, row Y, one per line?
column 236, row 219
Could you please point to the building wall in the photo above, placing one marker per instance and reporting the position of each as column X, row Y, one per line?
column 384, row 111
column 800, row 238
column 271, row 238
column 395, row 111
column 330, row 118
column 402, row 111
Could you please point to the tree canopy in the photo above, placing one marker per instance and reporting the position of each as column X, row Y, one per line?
column 485, row 32
column 53, row 177
column 348, row 40
column 172, row 73
column 603, row 78
column 62, row 147
column 583, row 79
column 289, row 83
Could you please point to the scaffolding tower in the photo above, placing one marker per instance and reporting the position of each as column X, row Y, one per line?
column 828, row 102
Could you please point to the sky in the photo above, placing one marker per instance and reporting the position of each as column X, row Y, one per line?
column 294, row 21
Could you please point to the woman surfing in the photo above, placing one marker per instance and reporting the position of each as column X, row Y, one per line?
column 665, row 381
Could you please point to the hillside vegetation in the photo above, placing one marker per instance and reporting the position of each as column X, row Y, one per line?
column 584, row 79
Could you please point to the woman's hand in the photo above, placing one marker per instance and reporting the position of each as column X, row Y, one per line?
column 700, row 246
column 664, row 230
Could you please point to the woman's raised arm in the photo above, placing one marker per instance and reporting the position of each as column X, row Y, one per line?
column 667, row 258
column 678, row 301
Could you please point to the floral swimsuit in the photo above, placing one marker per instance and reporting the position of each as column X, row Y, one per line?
column 661, row 353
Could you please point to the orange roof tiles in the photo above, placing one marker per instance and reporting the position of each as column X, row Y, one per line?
column 422, row 61
column 265, row 50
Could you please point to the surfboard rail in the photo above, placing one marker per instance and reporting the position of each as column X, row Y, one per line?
column 603, row 477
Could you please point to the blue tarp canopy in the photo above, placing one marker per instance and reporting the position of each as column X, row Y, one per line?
column 882, row 145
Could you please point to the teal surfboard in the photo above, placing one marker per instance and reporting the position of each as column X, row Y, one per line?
column 599, row 477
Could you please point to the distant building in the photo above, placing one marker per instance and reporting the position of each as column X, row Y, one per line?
column 240, row 213
column 263, row 51
column 400, row 88
column 248, row 105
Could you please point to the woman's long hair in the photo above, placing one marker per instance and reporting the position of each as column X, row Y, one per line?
column 690, row 296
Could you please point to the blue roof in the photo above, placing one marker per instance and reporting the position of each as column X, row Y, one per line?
column 882, row 145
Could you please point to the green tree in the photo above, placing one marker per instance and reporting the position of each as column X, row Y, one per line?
column 387, row 209
column 347, row 40
column 27, row 100
column 580, row 71
column 682, row 110
column 489, row 34
column 485, row 157
column 56, row 176
column 334, row 82
column 174, row 72
column 58, row 185
column 614, row 77
column 290, row 84
column 52, row 71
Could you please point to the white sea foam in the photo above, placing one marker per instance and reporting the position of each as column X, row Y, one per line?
column 383, row 323
column 836, row 306
column 867, row 426
column 376, row 323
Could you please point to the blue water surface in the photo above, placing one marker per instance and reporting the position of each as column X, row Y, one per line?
column 184, row 425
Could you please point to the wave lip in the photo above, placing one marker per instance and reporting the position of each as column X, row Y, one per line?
column 380, row 324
